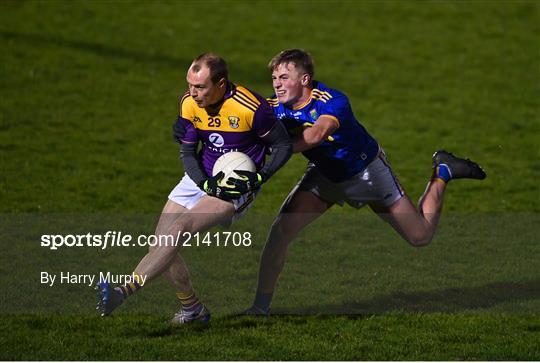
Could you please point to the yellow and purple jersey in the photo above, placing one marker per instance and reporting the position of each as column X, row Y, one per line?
column 348, row 150
column 236, row 125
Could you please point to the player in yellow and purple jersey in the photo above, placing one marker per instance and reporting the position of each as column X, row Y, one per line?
column 240, row 121
column 346, row 165
column 223, row 117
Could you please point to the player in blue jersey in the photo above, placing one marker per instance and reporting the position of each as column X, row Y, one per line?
column 346, row 165
column 223, row 116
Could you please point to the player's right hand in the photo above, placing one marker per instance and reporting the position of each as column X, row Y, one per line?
column 212, row 187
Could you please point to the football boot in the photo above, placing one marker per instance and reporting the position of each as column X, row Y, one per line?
column 459, row 168
column 183, row 317
column 108, row 298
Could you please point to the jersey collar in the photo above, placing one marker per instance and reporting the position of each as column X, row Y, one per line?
column 308, row 101
column 302, row 105
column 229, row 92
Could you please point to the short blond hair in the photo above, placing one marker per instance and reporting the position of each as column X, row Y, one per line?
column 299, row 57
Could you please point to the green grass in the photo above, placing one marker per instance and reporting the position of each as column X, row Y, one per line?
column 89, row 93
column 388, row 337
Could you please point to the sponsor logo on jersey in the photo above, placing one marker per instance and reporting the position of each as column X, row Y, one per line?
column 216, row 139
column 221, row 150
column 234, row 121
column 197, row 119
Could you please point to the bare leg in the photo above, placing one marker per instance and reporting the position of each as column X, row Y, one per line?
column 416, row 226
column 177, row 273
column 208, row 212
column 299, row 209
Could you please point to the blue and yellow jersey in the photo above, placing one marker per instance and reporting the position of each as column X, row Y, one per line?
column 348, row 150
column 236, row 125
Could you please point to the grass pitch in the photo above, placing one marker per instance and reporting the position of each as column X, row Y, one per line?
column 89, row 93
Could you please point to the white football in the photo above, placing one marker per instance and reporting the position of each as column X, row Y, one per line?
column 231, row 161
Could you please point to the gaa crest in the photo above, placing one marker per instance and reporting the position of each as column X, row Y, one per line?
column 234, row 121
column 314, row 115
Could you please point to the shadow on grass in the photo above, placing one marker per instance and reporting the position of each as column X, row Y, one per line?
column 459, row 299
column 451, row 300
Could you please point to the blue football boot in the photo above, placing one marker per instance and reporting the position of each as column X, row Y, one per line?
column 108, row 298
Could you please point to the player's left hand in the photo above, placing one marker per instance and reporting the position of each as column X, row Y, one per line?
column 250, row 181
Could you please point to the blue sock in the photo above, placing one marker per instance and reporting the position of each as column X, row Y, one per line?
column 442, row 171
column 262, row 301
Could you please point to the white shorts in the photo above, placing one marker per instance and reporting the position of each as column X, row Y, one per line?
column 376, row 184
column 187, row 194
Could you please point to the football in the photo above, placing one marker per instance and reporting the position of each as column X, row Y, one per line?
column 231, row 161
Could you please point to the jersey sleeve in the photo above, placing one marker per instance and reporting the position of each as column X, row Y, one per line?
column 190, row 135
column 264, row 119
column 338, row 108
column 185, row 117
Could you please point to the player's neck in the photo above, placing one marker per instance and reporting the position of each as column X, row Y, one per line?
column 304, row 98
column 216, row 105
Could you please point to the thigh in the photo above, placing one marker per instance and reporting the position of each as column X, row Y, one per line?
column 206, row 213
column 403, row 217
column 316, row 183
column 171, row 212
column 300, row 209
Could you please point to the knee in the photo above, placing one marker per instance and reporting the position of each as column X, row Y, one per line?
column 419, row 240
column 420, row 237
column 282, row 232
column 168, row 239
column 178, row 228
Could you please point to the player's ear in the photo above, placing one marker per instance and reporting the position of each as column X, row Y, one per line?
column 305, row 79
column 222, row 83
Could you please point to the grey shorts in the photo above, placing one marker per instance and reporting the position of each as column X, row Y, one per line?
column 376, row 184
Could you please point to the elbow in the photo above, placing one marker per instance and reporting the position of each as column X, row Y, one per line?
column 187, row 150
column 315, row 139
column 306, row 142
column 285, row 146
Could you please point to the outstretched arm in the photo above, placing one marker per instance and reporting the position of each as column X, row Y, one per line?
column 314, row 136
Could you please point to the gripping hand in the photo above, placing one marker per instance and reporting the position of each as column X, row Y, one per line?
column 212, row 187
column 247, row 182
